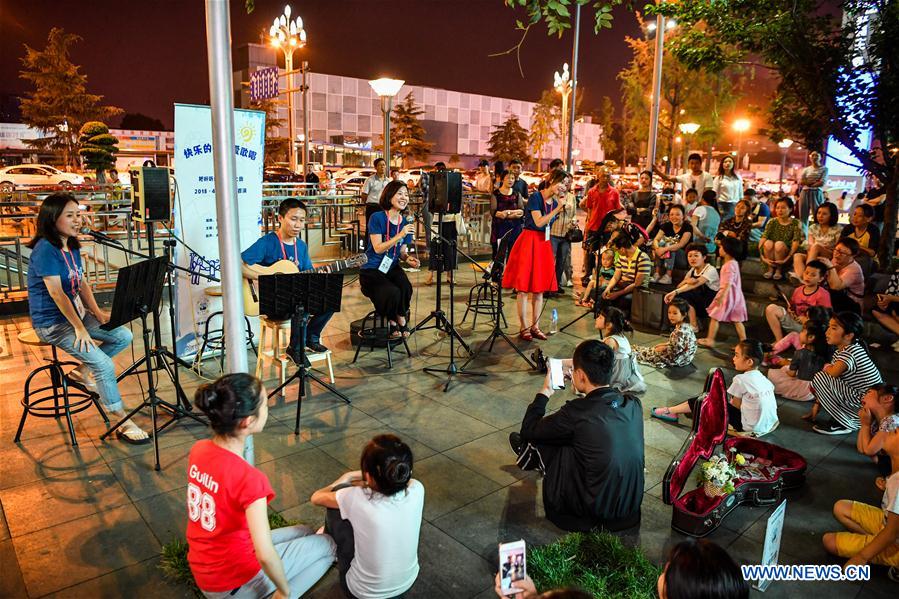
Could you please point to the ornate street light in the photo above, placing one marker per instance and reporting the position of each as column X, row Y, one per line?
column 563, row 84
column 688, row 130
column 386, row 89
column 288, row 35
column 740, row 126
column 784, row 148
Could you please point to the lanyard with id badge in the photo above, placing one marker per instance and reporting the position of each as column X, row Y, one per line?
column 296, row 260
column 75, row 281
column 546, row 229
column 387, row 260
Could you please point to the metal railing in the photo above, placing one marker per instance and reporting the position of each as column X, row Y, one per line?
column 107, row 208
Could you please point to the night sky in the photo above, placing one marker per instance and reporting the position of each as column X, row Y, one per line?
column 145, row 55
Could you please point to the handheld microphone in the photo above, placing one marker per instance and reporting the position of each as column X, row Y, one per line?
column 98, row 235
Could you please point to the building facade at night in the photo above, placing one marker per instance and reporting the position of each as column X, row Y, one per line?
column 345, row 116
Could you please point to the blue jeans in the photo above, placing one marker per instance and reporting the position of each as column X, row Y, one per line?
column 98, row 360
column 313, row 329
column 305, row 556
column 562, row 252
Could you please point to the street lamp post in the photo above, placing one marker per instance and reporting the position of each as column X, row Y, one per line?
column 741, row 126
column 386, row 90
column 564, row 84
column 659, row 27
column 784, row 148
column 289, row 35
column 688, row 130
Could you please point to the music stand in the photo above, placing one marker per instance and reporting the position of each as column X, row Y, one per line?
column 300, row 295
column 138, row 293
column 504, row 246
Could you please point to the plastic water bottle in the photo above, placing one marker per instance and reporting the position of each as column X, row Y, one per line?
column 554, row 325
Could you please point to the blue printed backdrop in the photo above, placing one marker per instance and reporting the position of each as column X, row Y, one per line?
column 195, row 213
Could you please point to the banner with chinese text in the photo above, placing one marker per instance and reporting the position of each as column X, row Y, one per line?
column 195, row 213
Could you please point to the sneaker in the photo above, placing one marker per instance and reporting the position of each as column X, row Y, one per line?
column 665, row 280
column 794, row 278
column 294, row 356
column 316, row 347
column 569, row 283
column 516, row 442
column 895, row 346
column 831, row 428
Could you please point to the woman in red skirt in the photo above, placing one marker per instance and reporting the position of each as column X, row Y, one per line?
column 531, row 268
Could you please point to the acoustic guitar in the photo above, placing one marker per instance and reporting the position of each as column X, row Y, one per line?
column 251, row 293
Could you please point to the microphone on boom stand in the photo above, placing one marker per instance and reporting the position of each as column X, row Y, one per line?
column 99, row 235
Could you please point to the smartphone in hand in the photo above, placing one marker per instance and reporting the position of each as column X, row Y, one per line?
column 512, row 566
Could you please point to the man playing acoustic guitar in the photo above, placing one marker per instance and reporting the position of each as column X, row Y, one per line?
column 285, row 244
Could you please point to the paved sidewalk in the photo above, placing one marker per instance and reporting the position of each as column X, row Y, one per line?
column 90, row 521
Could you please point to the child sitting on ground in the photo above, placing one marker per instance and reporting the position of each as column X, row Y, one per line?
column 729, row 304
column 809, row 294
column 699, row 286
column 879, row 416
column 681, row 346
column 873, row 533
column 374, row 515
column 794, row 379
column 751, row 406
column 605, row 274
column 612, row 323
column 790, row 341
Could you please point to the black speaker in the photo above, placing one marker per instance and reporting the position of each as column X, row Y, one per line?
column 445, row 192
column 151, row 194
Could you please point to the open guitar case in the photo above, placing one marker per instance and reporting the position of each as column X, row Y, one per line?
column 696, row 514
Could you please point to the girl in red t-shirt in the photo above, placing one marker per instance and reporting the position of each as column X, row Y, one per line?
column 232, row 551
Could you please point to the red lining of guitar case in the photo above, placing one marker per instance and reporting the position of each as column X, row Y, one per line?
column 712, row 431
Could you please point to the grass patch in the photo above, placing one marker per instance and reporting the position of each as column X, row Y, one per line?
column 173, row 560
column 596, row 562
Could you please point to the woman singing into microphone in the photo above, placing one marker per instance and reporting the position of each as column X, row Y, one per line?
column 531, row 268
column 64, row 312
column 381, row 278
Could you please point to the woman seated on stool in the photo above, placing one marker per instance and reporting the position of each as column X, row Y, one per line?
column 64, row 312
column 232, row 551
column 381, row 278
column 374, row 515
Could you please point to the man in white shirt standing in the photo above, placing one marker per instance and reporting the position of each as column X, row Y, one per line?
column 371, row 190
column 695, row 178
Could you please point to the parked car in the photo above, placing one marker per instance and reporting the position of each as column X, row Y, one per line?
column 280, row 174
column 413, row 174
column 36, row 175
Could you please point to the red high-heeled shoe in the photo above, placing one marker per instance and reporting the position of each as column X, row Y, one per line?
column 538, row 334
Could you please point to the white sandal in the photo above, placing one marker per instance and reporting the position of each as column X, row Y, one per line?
column 132, row 434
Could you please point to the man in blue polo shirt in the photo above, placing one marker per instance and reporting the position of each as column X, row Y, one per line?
column 285, row 244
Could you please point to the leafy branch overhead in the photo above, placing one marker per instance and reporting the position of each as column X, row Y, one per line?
column 557, row 15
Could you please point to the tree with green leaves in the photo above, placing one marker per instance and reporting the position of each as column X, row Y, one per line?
column 407, row 135
column 606, row 119
column 276, row 146
column 688, row 95
column 97, row 148
column 59, row 104
column 838, row 73
column 544, row 116
column 509, row 140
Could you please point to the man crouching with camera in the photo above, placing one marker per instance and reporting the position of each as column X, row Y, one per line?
column 590, row 450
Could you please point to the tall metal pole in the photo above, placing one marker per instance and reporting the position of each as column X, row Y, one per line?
column 577, row 36
column 288, row 64
column 656, row 91
column 565, row 121
column 218, row 46
column 305, row 67
column 386, row 107
column 783, row 164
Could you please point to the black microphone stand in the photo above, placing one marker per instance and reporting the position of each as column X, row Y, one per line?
column 159, row 356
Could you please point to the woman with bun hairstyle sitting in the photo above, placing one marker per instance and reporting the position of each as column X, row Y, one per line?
column 374, row 516
column 232, row 552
